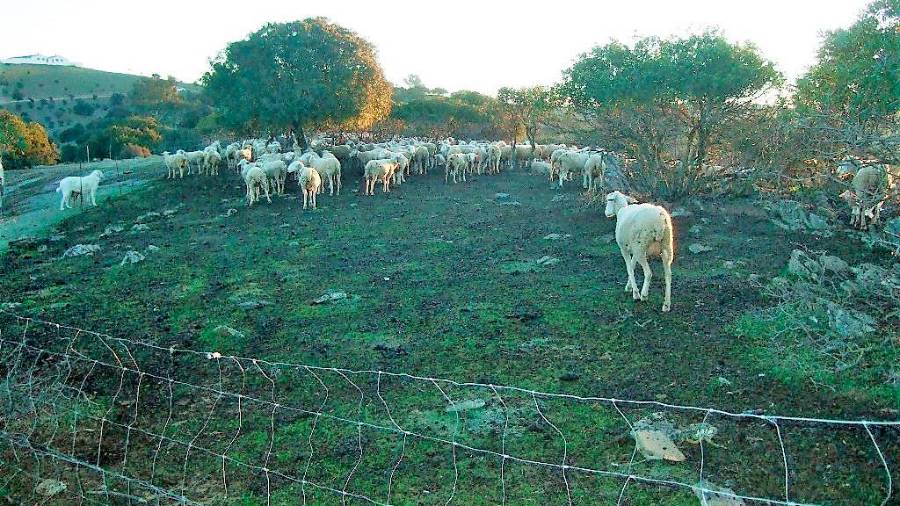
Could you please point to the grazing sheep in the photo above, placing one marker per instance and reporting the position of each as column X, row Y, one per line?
column 379, row 170
column 642, row 231
column 255, row 178
column 455, row 165
column 870, row 185
column 178, row 161
column 571, row 163
column 73, row 187
column 540, row 167
column 276, row 172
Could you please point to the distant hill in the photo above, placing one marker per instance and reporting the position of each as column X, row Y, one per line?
column 48, row 93
column 46, row 81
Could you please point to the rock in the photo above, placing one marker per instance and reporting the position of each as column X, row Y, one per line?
column 500, row 196
column 546, row 260
column 723, row 382
column 849, row 323
column 791, row 215
column 680, row 211
column 834, row 264
column 560, row 198
column 140, row 227
column 556, row 237
column 511, row 203
column 151, row 249
column 10, row 305
column 656, row 445
column 754, row 278
column 697, row 248
column 697, row 432
column 294, row 244
column 804, row 267
column 57, row 237
column 132, row 257
column 56, row 306
column 729, row 264
column 229, row 213
column 81, row 249
column 169, row 212
column 330, row 296
column 226, row 331
column 49, row 487
column 248, row 305
column 465, row 405
column 112, row 229
column 147, row 217
column 695, row 230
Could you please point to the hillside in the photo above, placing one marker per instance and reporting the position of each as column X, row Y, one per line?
column 62, row 97
column 45, row 81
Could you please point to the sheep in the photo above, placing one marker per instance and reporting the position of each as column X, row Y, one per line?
column 379, row 169
column 592, row 174
column 456, row 164
column 420, row 160
column 276, row 172
column 402, row 166
column 642, row 231
column 493, row 159
column 569, row 163
column 866, row 197
column 242, row 154
column 73, row 187
column 195, row 159
column 211, row 162
column 309, row 180
column 540, row 167
column 255, row 178
column 328, row 167
column 178, row 161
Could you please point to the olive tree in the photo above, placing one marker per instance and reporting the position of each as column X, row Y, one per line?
column 297, row 75
column 665, row 101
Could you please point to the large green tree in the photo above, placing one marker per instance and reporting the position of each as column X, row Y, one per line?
column 297, row 75
column 24, row 144
column 664, row 101
column 849, row 101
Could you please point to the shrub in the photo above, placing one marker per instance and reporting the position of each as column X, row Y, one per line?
column 134, row 151
column 82, row 108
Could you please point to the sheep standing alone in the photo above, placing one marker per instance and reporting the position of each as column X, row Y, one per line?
column 642, row 231
column 455, row 164
column 310, row 182
column 73, row 187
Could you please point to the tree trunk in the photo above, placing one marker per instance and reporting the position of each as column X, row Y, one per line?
column 300, row 136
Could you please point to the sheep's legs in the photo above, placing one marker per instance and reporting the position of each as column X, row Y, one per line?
column 648, row 274
column 629, row 266
column 667, row 270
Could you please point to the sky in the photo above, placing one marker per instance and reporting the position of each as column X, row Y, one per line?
column 477, row 45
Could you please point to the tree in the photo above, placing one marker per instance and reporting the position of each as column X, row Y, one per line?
column 528, row 108
column 665, row 102
column 25, row 144
column 464, row 114
column 298, row 75
column 154, row 92
column 849, row 101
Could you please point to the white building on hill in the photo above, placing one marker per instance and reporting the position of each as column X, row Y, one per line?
column 39, row 59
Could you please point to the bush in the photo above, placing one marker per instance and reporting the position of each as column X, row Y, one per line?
column 82, row 108
column 69, row 153
column 134, row 151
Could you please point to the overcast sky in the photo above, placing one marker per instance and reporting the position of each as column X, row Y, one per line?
column 479, row 45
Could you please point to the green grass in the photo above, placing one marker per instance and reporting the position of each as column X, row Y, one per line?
column 429, row 295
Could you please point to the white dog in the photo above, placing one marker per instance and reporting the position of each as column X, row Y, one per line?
column 73, row 187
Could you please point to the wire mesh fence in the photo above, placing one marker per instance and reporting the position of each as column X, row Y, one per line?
column 91, row 418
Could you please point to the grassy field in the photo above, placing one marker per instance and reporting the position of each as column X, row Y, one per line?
column 442, row 281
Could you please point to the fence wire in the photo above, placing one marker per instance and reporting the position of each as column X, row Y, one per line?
column 90, row 418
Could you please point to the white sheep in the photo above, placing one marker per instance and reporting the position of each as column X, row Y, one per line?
column 211, row 161
column 402, row 166
column 420, row 160
column 493, row 159
column 276, row 172
column 870, row 185
column 379, row 170
column 195, row 159
column 642, row 231
column 592, row 174
column 178, row 161
column 310, row 182
column 571, row 163
column 73, row 187
column 455, row 165
column 255, row 178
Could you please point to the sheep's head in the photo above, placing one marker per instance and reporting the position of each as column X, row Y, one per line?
column 615, row 201
column 848, row 196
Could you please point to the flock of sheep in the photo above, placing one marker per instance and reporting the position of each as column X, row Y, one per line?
column 643, row 231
